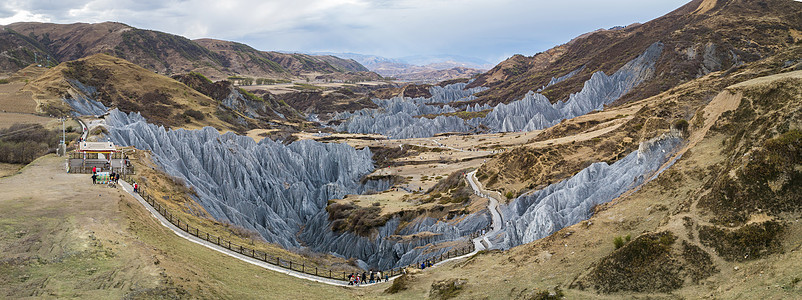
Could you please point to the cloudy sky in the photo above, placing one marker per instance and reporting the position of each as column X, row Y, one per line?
column 487, row 29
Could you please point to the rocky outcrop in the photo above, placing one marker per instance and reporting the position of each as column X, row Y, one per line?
column 540, row 213
column 534, row 111
column 396, row 117
column 82, row 102
column 403, row 125
column 556, row 80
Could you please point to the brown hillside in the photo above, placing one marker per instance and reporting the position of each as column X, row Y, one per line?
column 700, row 37
column 157, row 51
column 126, row 86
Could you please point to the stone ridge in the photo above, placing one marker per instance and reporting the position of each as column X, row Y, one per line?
column 538, row 214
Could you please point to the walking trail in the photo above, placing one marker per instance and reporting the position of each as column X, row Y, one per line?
column 482, row 242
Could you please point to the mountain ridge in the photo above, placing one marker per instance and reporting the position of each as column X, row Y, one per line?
column 158, row 51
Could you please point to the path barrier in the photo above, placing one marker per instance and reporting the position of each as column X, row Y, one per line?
column 283, row 262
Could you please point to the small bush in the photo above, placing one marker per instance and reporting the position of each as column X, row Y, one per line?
column 509, row 195
column 399, row 284
column 546, row 295
column 681, row 125
column 446, row 289
column 195, row 114
column 618, row 242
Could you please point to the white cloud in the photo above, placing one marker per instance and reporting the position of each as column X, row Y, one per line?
column 486, row 29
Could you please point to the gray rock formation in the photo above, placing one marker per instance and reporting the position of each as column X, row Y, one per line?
column 538, row 214
column 82, row 102
column 281, row 191
column 535, row 111
column 267, row 187
column 557, row 80
column 396, row 117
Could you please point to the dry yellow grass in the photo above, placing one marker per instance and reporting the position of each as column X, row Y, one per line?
column 12, row 99
column 72, row 239
column 8, row 119
column 128, row 79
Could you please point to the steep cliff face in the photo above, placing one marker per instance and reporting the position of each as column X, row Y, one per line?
column 540, row 213
column 281, row 191
column 266, row 186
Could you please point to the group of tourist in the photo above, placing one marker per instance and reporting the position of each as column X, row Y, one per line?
column 114, row 177
column 373, row 277
column 425, row 264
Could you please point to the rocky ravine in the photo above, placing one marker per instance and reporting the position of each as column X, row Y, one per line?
column 281, row 191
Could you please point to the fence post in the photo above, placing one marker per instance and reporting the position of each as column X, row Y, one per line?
column 207, row 236
column 253, row 253
column 315, row 271
column 290, row 265
column 303, row 267
column 278, row 261
column 330, row 274
column 229, row 245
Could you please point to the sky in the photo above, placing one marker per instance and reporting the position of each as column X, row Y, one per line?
column 491, row 30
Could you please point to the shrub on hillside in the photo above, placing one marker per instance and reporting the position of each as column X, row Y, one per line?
column 195, row 114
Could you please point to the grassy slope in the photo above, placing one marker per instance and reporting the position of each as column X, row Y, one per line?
column 125, row 85
column 74, row 239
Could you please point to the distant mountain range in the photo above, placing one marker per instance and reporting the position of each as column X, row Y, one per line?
column 419, row 68
column 22, row 44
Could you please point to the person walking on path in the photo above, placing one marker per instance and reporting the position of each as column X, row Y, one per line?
column 364, row 277
column 386, row 277
column 94, row 170
column 136, row 190
column 94, row 178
